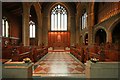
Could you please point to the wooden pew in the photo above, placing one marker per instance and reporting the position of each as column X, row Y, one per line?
column 78, row 52
column 39, row 52
column 21, row 52
column 112, row 52
column 7, row 52
column 103, row 52
column 106, row 52
column 18, row 53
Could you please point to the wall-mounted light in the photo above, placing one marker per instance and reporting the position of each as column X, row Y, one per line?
column 101, row 30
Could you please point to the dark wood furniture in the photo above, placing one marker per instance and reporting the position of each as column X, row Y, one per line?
column 104, row 52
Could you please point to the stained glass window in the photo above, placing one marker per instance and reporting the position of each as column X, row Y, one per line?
column 5, row 27
column 84, row 20
column 32, row 29
column 58, row 18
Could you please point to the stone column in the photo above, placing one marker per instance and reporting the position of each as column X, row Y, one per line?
column 68, row 22
column 78, row 23
column 109, row 37
column 90, row 31
column 77, row 29
column 91, row 23
column 39, row 31
column 73, row 30
column 45, row 29
column 25, row 26
column 77, row 35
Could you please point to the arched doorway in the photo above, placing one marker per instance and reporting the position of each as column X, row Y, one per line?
column 86, row 39
column 100, row 36
column 116, row 34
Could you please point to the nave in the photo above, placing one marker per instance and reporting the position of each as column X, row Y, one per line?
column 90, row 31
column 59, row 64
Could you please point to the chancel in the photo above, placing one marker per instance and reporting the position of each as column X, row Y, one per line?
column 60, row 40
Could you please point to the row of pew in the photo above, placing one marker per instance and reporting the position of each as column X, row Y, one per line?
column 103, row 52
column 18, row 53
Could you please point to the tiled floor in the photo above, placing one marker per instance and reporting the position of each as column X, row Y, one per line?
column 59, row 64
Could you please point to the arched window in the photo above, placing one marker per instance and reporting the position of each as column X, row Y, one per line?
column 32, row 29
column 58, row 18
column 84, row 20
column 5, row 27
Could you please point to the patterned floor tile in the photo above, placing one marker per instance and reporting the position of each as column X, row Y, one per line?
column 58, row 63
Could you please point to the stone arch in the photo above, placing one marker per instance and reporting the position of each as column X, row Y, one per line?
column 114, row 31
column 65, row 6
column 54, row 4
column 33, row 17
column 116, row 34
column 59, row 10
column 113, row 25
column 100, row 36
column 70, row 20
column 37, row 7
column 33, row 7
column 95, row 31
column 99, row 27
column 38, row 11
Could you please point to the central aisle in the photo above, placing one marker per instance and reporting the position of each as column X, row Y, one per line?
column 59, row 64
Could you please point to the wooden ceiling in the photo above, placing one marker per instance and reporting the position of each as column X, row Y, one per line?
column 16, row 7
column 13, row 7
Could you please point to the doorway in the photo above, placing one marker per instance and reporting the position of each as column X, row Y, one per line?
column 100, row 36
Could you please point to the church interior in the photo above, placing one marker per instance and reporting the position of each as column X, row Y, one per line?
column 66, row 40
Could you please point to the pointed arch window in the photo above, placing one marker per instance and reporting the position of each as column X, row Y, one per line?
column 58, row 18
column 84, row 20
column 31, row 29
column 5, row 27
